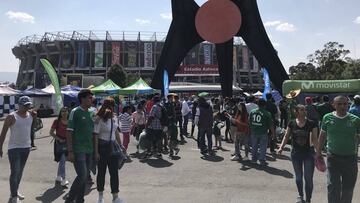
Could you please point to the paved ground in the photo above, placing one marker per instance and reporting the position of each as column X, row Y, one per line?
column 190, row 178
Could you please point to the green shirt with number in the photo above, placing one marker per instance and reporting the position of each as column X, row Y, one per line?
column 260, row 122
column 342, row 133
column 81, row 124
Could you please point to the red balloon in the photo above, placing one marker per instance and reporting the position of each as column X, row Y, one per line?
column 217, row 21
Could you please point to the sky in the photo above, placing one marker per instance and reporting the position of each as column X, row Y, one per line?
column 296, row 27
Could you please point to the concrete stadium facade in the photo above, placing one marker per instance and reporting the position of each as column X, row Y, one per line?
column 92, row 53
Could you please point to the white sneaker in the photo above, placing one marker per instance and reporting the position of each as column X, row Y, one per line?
column 15, row 200
column 235, row 158
column 101, row 199
column 20, row 196
column 58, row 179
column 117, row 200
column 64, row 182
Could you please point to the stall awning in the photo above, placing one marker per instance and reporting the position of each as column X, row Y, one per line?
column 108, row 87
column 8, row 91
column 139, row 87
column 33, row 92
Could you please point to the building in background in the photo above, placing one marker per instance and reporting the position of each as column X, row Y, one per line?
column 92, row 53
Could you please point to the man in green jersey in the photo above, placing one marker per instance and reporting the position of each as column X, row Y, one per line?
column 341, row 131
column 260, row 123
column 80, row 141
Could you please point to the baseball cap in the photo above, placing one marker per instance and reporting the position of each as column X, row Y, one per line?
column 24, row 100
column 357, row 97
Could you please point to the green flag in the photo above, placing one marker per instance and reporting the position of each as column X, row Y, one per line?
column 55, row 82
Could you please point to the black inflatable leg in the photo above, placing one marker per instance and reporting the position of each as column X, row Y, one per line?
column 254, row 34
column 224, row 53
column 182, row 36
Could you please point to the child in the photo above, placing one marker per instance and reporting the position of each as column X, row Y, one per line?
column 125, row 125
column 217, row 130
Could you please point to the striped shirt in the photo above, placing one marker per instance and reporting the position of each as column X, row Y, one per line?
column 125, row 122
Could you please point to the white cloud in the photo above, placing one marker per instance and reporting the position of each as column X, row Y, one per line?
column 272, row 23
column 286, row 27
column 167, row 16
column 320, row 34
column 142, row 21
column 357, row 20
column 20, row 16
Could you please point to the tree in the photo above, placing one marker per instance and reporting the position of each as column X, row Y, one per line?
column 352, row 70
column 333, row 51
column 24, row 84
column 118, row 75
column 303, row 71
column 131, row 78
column 330, row 61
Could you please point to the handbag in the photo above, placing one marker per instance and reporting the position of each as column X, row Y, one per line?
column 117, row 150
column 60, row 147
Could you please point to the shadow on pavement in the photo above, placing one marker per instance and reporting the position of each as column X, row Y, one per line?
column 157, row 163
column 214, row 158
column 270, row 158
column 89, row 188
column 222, row 149
column 51, row 194
column 283, row 157
column 175, row 157
column 268, row 169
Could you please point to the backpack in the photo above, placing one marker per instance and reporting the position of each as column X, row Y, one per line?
column 312, row 113
column 37, row 124
column 164, row 120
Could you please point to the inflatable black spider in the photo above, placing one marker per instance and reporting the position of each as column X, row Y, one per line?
column 183, row 35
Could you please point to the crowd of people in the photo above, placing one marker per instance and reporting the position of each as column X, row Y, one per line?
column 85, row 135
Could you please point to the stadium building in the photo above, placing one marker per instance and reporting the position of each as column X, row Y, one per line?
column 79, row 54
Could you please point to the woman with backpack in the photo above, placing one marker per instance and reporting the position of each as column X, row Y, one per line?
column 106, row 130
column 58, row 132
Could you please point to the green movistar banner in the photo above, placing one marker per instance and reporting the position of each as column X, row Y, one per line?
column 322, row 86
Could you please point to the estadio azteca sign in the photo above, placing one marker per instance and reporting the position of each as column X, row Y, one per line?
column 198, row 69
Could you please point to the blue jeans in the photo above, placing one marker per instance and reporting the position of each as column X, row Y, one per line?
column 259, row 141
column 341, row 177
column 185, row 123
column 82, row 164
column 208, row 133
column 61, row 167
column 17, row 159
column 304, row 165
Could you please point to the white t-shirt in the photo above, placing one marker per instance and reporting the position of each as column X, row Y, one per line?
column 102, row 129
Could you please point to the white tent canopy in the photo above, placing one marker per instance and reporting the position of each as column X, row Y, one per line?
column 258, row 93
column 7, row 91
column 49, row 89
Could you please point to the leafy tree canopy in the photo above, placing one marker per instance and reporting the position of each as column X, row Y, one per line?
column 330, row 63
